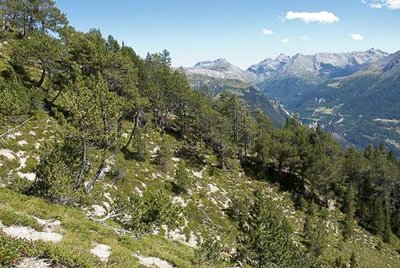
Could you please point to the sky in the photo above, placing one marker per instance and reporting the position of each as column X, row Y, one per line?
column 242, row 31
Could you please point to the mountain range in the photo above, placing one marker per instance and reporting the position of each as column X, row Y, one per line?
column 354, row 95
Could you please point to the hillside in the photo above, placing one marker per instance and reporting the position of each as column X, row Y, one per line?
column 213, row 86
column 108, row 159
column 82, row 229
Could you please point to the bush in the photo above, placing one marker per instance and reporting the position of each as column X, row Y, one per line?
column 208, row 252
column 56, row 173
column 144, row 214
column 164, row 155
column 16, row 100
column 182, row 180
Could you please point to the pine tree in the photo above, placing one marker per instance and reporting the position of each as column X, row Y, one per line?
column 314, row 232
column 41, row 49
column 387, row 233
column 349, row 209
column 378, row 217
column 265, row 238
column 182, row 180
column 164, row 155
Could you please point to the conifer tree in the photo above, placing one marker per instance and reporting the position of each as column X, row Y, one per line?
column 314, row 232
column 182, row 180
column 387, row 233
column 164, row 155
column 349, row 209
column 265, row 239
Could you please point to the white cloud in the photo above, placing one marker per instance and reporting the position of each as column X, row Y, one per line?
column 284, row 40
column 357, row 37
column 393, row 4
column 390, row 4
column 266, row 32
column 305, row 38
column 376, row 5
column 323, row 17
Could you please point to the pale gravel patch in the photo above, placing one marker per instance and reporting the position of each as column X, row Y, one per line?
column 49, row 225
column 37, row 145
column 102, row 251
column 29, row 176
column 98, row 211
column 178, row 235
column 138, row 191
column 33, row 263
column 153, row 261
column 198, row 174
column 7, row 154
column 22, row 142
column 213, row 188
column 14, row 135
column 22, row 159
column 179, row 200
column 106, row 205
column 23, row 232
column 108, row 197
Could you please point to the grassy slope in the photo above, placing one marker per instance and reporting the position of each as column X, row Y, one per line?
column 204, row 213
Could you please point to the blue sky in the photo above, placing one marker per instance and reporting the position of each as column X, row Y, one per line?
column 196, row 30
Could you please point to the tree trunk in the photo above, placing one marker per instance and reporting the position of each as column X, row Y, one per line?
column 83, row 165
column 56, row 97
column 133, row 131
column 42, row 77
column 96, row 176
column 119, row 126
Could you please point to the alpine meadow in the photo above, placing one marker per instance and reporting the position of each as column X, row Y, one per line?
column 114, row 156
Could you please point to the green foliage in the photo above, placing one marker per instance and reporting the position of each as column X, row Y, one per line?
column 238, row 208
column 56, row 172
column 208, row 252
column 17, row 101
column 143, row 215
column 9, row 217
column 265, row 239
column 11, row 251
column 26, row 16
column 340, row 263
column 164, row 155
column 349, row 209
column 182, row 181
column 315, row 232
column 353, row 261
column 387, row 233
column 39, row 50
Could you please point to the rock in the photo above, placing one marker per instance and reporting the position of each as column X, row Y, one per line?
column 29, row 176
column 102, row 251
column 22, row 142
column 98, row 211
column 153, row 261
column 7, row 154
column 34, row 263
column 23, row 232
column 331, row 205
column 213, row 188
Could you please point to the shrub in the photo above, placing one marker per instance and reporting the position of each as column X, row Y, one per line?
column 208, row 252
